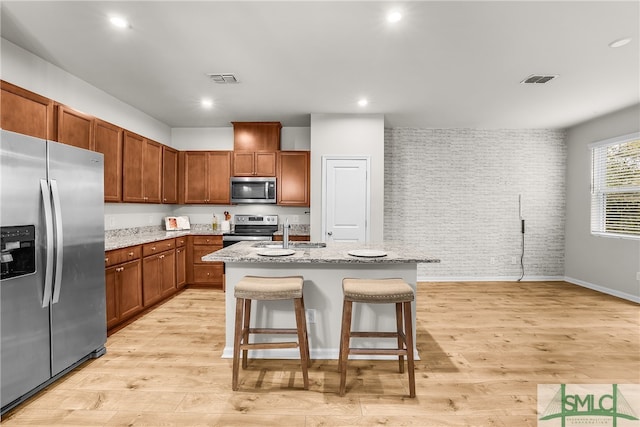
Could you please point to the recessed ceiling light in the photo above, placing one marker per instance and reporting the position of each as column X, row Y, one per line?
column 363, row 102
column 119, row 22
column 620, row 42
column 394, row 16
column 206, row 103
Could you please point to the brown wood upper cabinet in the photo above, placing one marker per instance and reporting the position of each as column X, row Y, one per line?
column 256, row 136
column 142, row 169
column 254, row 164
column 108, row 141
column 204, row 177
column 26, row 112
column 169, row 175
column 75, row 128
column 254, row 148
column 293, row 179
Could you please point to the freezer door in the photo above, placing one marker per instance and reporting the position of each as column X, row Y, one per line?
column 24, row 323
column 78, row 319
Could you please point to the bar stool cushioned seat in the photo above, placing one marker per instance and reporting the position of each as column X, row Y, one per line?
column 378, row 291
column 268, row 289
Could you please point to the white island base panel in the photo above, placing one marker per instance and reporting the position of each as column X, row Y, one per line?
column 323, row 294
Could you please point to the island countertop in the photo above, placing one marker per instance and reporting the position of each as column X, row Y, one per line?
column 334, row 253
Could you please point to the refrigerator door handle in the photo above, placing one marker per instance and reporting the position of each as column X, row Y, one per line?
column 48, row 217
column 57, row 284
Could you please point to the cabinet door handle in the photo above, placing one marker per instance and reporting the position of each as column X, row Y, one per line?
column 161, row 256
column 130, row 254
column 106, row 260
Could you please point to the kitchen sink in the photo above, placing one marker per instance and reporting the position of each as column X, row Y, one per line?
column 294, row 245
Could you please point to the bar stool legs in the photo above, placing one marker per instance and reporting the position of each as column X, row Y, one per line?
column 268, row 288
column 378, row 291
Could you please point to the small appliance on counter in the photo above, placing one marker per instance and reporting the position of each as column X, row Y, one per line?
column 225, row 226
column 251, row 227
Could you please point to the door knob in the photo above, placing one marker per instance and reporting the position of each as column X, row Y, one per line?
column 330, row 233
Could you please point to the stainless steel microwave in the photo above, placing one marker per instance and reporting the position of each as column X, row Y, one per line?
column 253, row 190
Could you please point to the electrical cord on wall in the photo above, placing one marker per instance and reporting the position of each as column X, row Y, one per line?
column 522, row 253
column 522, row 232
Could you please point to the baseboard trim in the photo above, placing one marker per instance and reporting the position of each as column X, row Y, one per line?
column 603, row 289
column 491, row 279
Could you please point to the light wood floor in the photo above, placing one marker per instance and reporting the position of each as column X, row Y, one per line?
column 484, row 348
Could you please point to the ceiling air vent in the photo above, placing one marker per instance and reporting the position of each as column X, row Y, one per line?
column 223, row 78
column 539, row 78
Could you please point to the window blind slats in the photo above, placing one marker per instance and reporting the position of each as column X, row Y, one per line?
column 615, row 201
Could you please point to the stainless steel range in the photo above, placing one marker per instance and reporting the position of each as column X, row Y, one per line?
column 251, row 227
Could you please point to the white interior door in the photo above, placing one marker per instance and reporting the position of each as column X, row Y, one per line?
column 345, row 199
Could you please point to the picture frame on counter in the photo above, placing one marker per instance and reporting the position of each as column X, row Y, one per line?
column 176, row 223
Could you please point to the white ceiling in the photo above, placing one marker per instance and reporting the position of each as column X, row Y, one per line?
column 450, row 64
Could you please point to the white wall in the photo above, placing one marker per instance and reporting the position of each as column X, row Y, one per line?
column 37, row 75
column 348, row 135
column 221, row 138
column 607, row 264
column 454, row 193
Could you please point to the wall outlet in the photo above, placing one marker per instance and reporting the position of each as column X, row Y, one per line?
column 638, row 275
column 150, row 219
column 514, row 260
column 492, row 260
column 311, row 316
column 111, row 221
column 295, row 219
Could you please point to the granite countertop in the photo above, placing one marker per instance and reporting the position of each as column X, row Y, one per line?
column 396, row 253
column 117, row 239
column 125, row 237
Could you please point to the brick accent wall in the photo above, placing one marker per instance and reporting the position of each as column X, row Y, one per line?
column 454, row 193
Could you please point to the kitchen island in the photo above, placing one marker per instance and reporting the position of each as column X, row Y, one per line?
column 323, row 269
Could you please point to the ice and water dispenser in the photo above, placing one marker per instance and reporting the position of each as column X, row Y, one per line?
column 17, row 251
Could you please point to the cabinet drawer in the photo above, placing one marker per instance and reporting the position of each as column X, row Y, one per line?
column 157, row 247
column 210, row 273
column 200, row 251
column 181, row 241
column 118, row 256
column 207, row 240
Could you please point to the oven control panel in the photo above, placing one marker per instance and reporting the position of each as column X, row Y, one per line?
column 256, row 219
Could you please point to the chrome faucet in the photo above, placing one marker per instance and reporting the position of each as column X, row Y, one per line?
column 285, row 237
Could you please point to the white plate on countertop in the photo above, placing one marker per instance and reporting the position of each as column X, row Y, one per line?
column 367, row 253
column 275, row 252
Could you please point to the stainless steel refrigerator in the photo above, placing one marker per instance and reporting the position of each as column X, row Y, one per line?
column 52, row 289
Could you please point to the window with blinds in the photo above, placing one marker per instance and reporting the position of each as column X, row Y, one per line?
column 615, row 187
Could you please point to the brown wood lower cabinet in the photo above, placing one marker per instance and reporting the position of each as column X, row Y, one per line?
column 140, row 276
column 181, row 262
column 158, row 271
column 296, row 238
column 123, row 282
column 201, row 273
